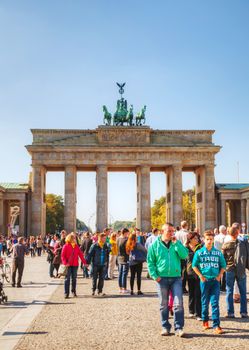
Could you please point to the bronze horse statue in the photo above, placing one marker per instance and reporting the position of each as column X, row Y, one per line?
column 140, row 117
column 107, row 116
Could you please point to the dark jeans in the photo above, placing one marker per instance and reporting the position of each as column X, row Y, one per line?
column 85, row 271
column 39, row 251
column 210, row 293
column 165, row 285
column 51, row 269
column 136, row 270
column 71, row 273
column 98, row 274
column 17, row 265
column 194, row 298
column 122, row 275
column 56, row 266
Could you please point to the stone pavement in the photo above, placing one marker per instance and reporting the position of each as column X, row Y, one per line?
column 24, row 304
column 118, row 322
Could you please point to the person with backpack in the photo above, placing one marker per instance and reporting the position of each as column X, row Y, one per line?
column 137, row 256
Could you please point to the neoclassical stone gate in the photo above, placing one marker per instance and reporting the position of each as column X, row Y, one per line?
column 121, row 148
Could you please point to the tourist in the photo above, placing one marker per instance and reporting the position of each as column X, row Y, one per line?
column 236, row 253
column 194, row 299
column 98, row 256
column 63, row 237
column 107, row 232
column 39, row 245
column 57, row 254
column 113, row 254
column 164, row 265
column 137, row 256
column 85, row 247
column 70, row 257
column 209, row 264
column 182, row 236
column 218, row 243
column 123, row 264
column 19, row 251
column 151, row 239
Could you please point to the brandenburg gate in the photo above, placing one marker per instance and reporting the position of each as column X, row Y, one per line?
column 121, row 148
column 118, row 147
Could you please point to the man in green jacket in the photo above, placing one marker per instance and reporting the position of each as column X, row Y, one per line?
column 164, row 265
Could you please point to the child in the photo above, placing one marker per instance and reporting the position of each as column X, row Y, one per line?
column 209, row 264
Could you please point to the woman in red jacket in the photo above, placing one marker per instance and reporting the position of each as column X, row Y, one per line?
column 70, row 257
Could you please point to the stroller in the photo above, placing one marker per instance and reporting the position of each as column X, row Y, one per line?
column 3, row 296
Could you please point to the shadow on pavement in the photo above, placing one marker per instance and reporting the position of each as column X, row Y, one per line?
column 22, row 333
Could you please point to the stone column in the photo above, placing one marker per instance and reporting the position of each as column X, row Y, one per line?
column 210, row 197
column 70, row 199
column 101, row 198
column 247, row 214
column 223, row 212
column 143, row 199
column 1, row 214
column 177, row 194
column 38, row 222
column 243, row 211
column 200, row 198
column 169, row 195
column 22, row 217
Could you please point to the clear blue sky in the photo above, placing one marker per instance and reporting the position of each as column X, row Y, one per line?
column 188, row 61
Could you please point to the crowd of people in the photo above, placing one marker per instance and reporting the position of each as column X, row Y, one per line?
column 177, row 259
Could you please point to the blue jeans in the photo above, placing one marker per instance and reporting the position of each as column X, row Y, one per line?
column 164, row 286
column 230, row 279
column 210, row 293
column 122, row 275
column 71, row 273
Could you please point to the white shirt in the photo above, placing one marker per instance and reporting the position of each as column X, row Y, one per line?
column 219, row 240
column 182, row 235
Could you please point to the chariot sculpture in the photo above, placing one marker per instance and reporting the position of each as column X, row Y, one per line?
column 123, row 115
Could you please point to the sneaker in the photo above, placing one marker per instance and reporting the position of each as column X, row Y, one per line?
column 19, row 286
column 132, row 292
column 125, row 291
column 66, row 296
column 218, row 330
column 165, row 332
column 191, row 315
column 198, row 318
column 179, row 333
column 13, row 285
column 244, row 316
column 230, row 316
column 205, row 325
column 74, row 294
column 93, row 292
column 101, row 294
column 140, row 293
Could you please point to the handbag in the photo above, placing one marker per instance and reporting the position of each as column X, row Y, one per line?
column 62, row 270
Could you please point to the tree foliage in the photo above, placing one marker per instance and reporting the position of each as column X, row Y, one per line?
column 118, row 225
column 54, row 213
column 158, row 210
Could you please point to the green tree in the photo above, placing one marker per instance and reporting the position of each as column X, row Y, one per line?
column 118, row 225
column 158, row 212
column 54, row 213
column 188, row 206
column 81, row 226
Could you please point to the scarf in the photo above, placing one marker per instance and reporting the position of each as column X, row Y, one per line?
column 73, row 245
column 101, row 244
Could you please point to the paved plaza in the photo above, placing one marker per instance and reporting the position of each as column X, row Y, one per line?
column 38, row 316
